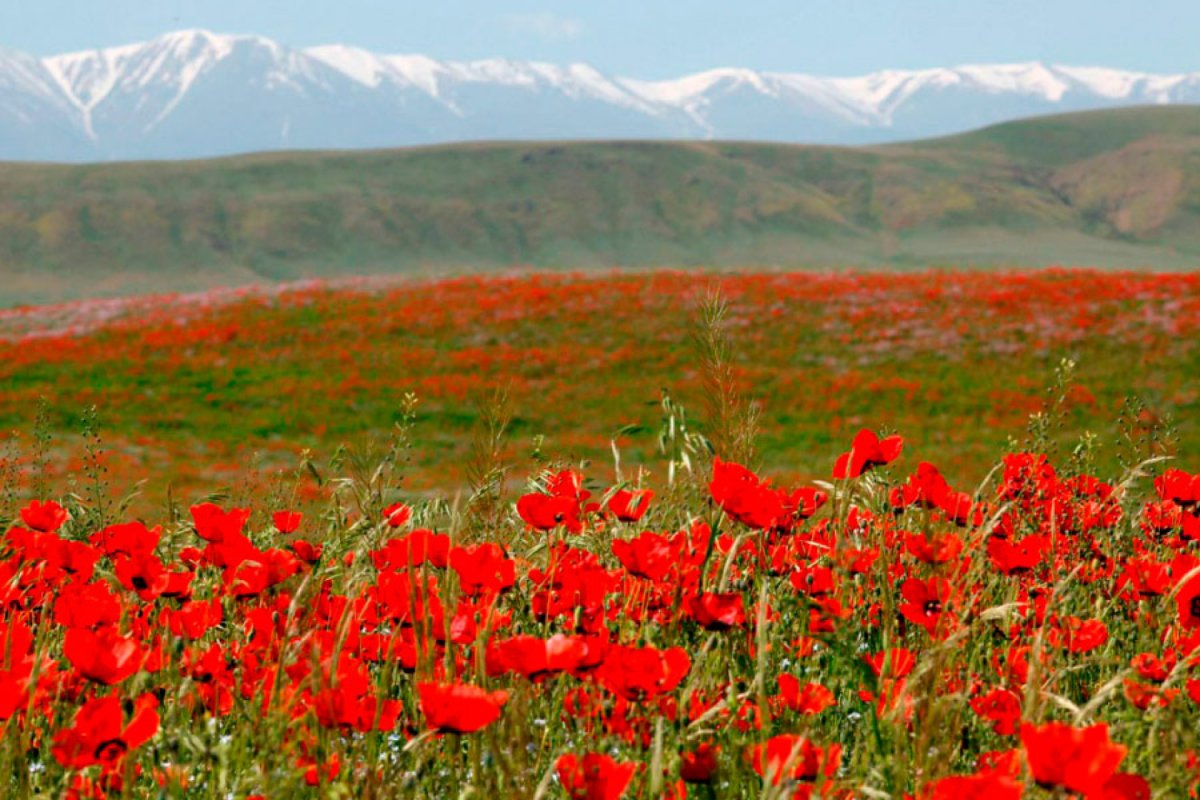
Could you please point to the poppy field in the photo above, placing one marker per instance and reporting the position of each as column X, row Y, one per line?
column 926, row 536
column 194, row 392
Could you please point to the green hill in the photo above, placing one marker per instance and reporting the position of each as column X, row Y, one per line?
column 1110, row 188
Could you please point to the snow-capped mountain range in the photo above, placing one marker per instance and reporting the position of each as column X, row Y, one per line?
column 194, row 94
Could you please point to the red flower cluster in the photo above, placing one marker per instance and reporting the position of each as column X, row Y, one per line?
column 751, row 501
column 742, row 637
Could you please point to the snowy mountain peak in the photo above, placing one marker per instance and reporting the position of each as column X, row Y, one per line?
column 690, row 89
column 360, row 65
column 197, row 93
column 22, row 72
column 89, row 77
column 189, row 43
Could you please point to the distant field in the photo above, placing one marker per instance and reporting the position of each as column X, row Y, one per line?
column 1114, row 188
column 190, row 387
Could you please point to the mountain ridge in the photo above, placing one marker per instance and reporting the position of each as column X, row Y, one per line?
column 195, row 93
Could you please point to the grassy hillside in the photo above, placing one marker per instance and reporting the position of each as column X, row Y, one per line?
column 1113, row 188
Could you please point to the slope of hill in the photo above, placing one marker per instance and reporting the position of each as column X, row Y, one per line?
column 1112, row 188
column 198, row 94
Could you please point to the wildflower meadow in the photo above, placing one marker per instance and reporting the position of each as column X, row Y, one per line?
column 931, row 536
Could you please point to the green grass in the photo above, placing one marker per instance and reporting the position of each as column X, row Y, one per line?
column 1113, row 188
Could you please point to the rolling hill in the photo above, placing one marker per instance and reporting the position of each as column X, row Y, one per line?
column 1108, row 188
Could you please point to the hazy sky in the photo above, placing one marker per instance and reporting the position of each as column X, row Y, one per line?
column 660, row 38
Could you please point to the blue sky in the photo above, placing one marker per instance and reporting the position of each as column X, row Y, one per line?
column 660, row 38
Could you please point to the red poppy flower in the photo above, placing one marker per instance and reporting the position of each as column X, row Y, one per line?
column 932, row 548
column 286, row 522
column 575, row 588
column 86, row 605
column 1077, row 635
column 699, row 765
column 128, row 539
column 537, row 658
column 1124, row 786
column 144, row 574
column 545, row 512
column 891, row 668
column 1178, row 487
column 1145, row 577
column 561, row 504
column 1001, row 762
column 483, row 568
column 1189, row 525
column 1077, row 759
column 1188, row 603
column 459, row 707
column 630, row 505
column 794, row 758
column 925, row 602
column 983, row 786
column 317, row 773
column 1002, row 707
column 957, row 506
column 744, row 496
column 179, row 585
column 100, row 736
column 567, row 483
column 717, row 612
column 594, row 776
column 859, row 560
column 195, row 618
column 45, row 517
column 14, row 694
column 1145, row 695
column 1015, row 558
column 867, row 451
column 1152, row 668
column 350, row 705
column 307, row 552
column 397, row 515
column 810, row 699
column 1162, row 517
column 103, row 656
column 213, row 523
column 1012, row 664
column 637, row 672
column 413, row 550
column 648, row 555
column 253, row 572
column 824, row 614
column 65, row 557
column 925, row 488
column 814, row 581
column 891, row 664
column 407, row 599
column 802, row 503
column 1027, row 476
